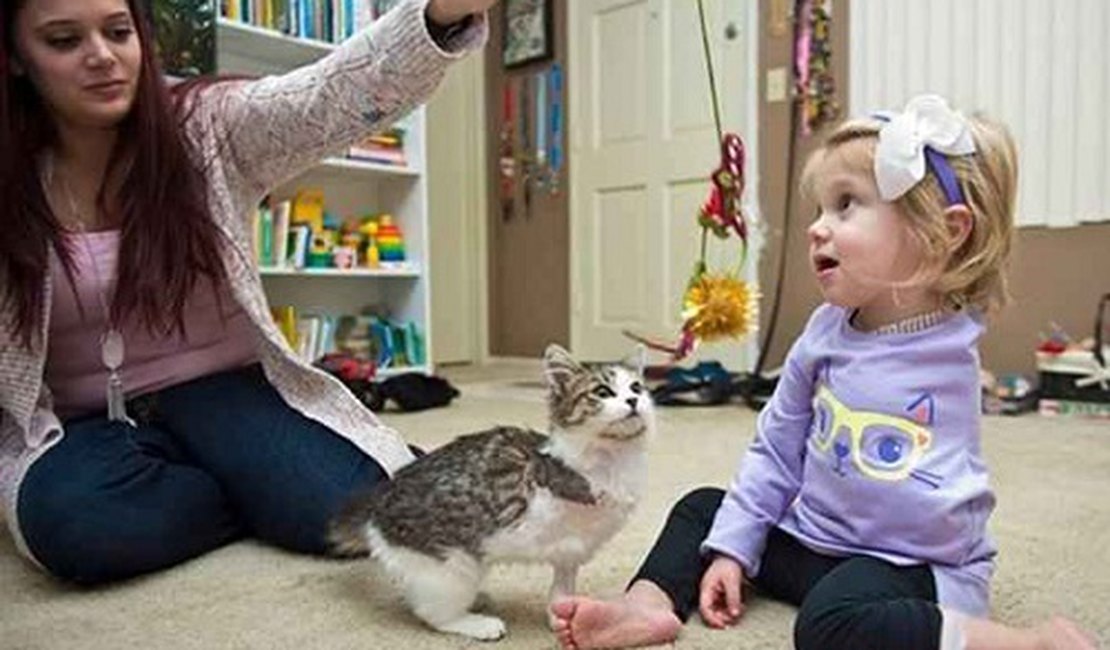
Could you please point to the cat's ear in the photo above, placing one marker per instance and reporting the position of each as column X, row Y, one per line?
column 558, row 366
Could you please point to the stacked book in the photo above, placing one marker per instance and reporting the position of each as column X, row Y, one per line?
column 310, row 335
column 385, row 148
column 325, row 20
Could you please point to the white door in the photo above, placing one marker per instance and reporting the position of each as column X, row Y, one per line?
column 455, row 207
column 643, row 146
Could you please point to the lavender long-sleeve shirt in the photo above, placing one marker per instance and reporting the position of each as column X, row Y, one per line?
column 870, row 446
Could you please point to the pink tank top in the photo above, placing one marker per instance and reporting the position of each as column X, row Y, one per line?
column 74, row 371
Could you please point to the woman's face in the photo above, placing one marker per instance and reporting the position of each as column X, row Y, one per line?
column 83, row 57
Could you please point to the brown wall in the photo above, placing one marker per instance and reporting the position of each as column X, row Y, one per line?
column 799, row 291
column 1056, row 275
column 529, row 254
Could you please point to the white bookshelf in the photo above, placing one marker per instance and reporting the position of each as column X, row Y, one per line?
column 267, row 50
column 351, row 187
column 403, row 271
column 356, row 168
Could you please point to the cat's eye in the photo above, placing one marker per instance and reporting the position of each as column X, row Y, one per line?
column 603, row 391
column 637, row 387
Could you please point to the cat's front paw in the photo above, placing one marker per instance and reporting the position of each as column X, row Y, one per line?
column 476, row 626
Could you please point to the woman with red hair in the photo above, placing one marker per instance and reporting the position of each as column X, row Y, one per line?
column 150, row 410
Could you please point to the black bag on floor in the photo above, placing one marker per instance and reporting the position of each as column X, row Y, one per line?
column 412, row 391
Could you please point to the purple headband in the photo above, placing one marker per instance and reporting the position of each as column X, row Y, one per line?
column 944, row 173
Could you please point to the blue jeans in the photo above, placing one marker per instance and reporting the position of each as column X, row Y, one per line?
column 212, row 460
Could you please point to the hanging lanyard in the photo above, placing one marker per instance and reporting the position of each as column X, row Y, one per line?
column 541, row 130
column 556, row 157
column 507, row 159
column 526, row 159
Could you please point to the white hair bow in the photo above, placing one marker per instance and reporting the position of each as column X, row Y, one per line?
column 927, row 121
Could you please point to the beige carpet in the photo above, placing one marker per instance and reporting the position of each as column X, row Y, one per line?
column 1052, row 524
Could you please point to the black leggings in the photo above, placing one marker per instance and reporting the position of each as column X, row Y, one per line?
column 846, row 603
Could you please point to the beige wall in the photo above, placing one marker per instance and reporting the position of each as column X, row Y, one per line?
column 799, row 291
column 1057, row 275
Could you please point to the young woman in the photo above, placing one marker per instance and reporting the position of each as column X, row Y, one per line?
column 150, row 411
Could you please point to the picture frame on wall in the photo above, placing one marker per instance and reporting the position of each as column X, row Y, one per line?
column 528, row 32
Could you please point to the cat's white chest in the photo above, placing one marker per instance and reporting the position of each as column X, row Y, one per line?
column 559, row 531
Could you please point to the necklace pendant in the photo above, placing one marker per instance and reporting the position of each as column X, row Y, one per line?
column 111, row 354
column 117, row 406
column 111, row 349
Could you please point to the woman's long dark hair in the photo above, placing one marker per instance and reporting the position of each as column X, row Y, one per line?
column 168, row 241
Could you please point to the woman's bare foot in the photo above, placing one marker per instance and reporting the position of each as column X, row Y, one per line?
column 642, row 616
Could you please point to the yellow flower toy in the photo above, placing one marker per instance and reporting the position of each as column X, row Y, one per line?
column 720, row 306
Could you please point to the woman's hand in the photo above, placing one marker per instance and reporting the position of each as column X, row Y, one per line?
column 448, row 12
column 720, row 603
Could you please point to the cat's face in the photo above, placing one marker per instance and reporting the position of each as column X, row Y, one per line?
column 609, row 402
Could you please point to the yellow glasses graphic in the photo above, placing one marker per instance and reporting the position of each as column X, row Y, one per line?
column 883, row 447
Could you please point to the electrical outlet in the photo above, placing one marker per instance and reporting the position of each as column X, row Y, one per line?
column 776, row 85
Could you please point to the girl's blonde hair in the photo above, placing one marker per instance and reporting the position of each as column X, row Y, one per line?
column 973, row 273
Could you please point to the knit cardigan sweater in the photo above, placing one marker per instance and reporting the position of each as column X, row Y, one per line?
column 252, row 136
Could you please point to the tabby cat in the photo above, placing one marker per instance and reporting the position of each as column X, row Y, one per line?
column 509, row 494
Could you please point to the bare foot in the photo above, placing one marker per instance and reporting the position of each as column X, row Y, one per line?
column 1059, row 633
column 585, row 623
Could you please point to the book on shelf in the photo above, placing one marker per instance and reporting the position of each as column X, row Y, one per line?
column 387, row 148
column 310, row 335
column 387, row 343
column 272, row 239
column 332, row 21
column 396, row 345
column 380, row 156
column 299, row 233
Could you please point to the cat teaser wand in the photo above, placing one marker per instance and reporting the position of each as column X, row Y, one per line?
column 717, row 304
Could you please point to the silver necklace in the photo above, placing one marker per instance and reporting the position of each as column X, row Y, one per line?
column 111, row 340
column 907, row 325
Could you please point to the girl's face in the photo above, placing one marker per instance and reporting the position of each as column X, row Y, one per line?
column 860, row 246
column 83, row 57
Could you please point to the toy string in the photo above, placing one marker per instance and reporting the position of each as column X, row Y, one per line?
column 716, row 109
column 716, row 102
column 709, row 69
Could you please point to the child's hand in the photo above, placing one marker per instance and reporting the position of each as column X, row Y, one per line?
column 720, row 602
column 447, row 12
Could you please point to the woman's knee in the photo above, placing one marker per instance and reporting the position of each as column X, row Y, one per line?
column 84, row 536
column 65, row 533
